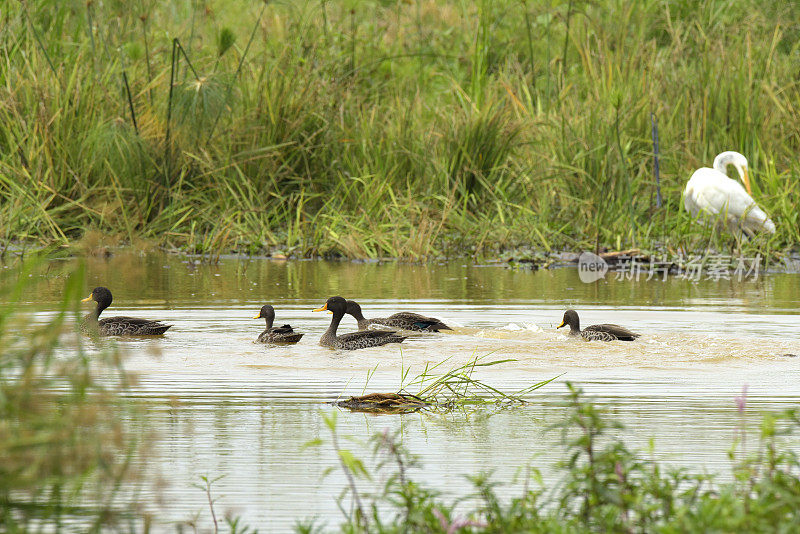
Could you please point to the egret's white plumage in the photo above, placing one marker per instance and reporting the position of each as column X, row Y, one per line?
column 712, row 195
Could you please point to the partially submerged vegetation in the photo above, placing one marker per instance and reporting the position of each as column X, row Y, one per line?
column 602, row 486
column 403, row 129
column 432, row 390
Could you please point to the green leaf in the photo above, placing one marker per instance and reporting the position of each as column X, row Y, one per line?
column 225, row 40
column 330, row 420
column 311, row 443
column 353, row 464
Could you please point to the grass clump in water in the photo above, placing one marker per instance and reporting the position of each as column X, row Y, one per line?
column 441, row 392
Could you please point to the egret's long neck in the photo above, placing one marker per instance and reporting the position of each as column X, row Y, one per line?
column 724, row 159
column 721, row 165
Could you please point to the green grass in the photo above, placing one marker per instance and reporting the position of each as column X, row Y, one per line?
column 389, row 128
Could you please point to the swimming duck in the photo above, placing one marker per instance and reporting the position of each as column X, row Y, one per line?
column 402, row 320
column 117, row 326
column 278, row 334
column 596, row 332
column 353, row 340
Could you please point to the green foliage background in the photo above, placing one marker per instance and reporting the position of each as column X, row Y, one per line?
column 389, row 128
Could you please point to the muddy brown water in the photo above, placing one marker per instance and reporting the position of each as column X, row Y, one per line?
column 225, row 407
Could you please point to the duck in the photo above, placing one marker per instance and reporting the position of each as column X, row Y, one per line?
column 117, row 326
column 402, row 320
column 596, row 332
column 277, row 334
column 353, row 340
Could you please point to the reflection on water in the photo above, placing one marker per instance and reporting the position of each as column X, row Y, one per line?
column 225, row 406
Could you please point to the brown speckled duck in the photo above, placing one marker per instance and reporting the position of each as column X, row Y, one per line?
column 403, row 320
column 596, row 332
column 117, row 326
column 277, row 334
column 352, row 340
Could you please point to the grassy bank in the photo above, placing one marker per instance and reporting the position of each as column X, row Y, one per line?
column 407, row 129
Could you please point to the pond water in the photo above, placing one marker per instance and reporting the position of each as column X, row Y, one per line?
column 224, row 407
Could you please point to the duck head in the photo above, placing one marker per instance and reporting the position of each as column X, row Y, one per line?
column 571, row 319
column 335, row 305
column 102, row 296
column 267, row 312
column 354, row 309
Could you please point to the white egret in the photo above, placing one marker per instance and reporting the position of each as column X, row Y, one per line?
column 712, row 195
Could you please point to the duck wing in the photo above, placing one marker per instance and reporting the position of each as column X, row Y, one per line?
column 412, row 321
column 280, row 334
column 602, row 331
column 285, row 329
column 131, row 326
column 367, row 338
column 596, row 335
